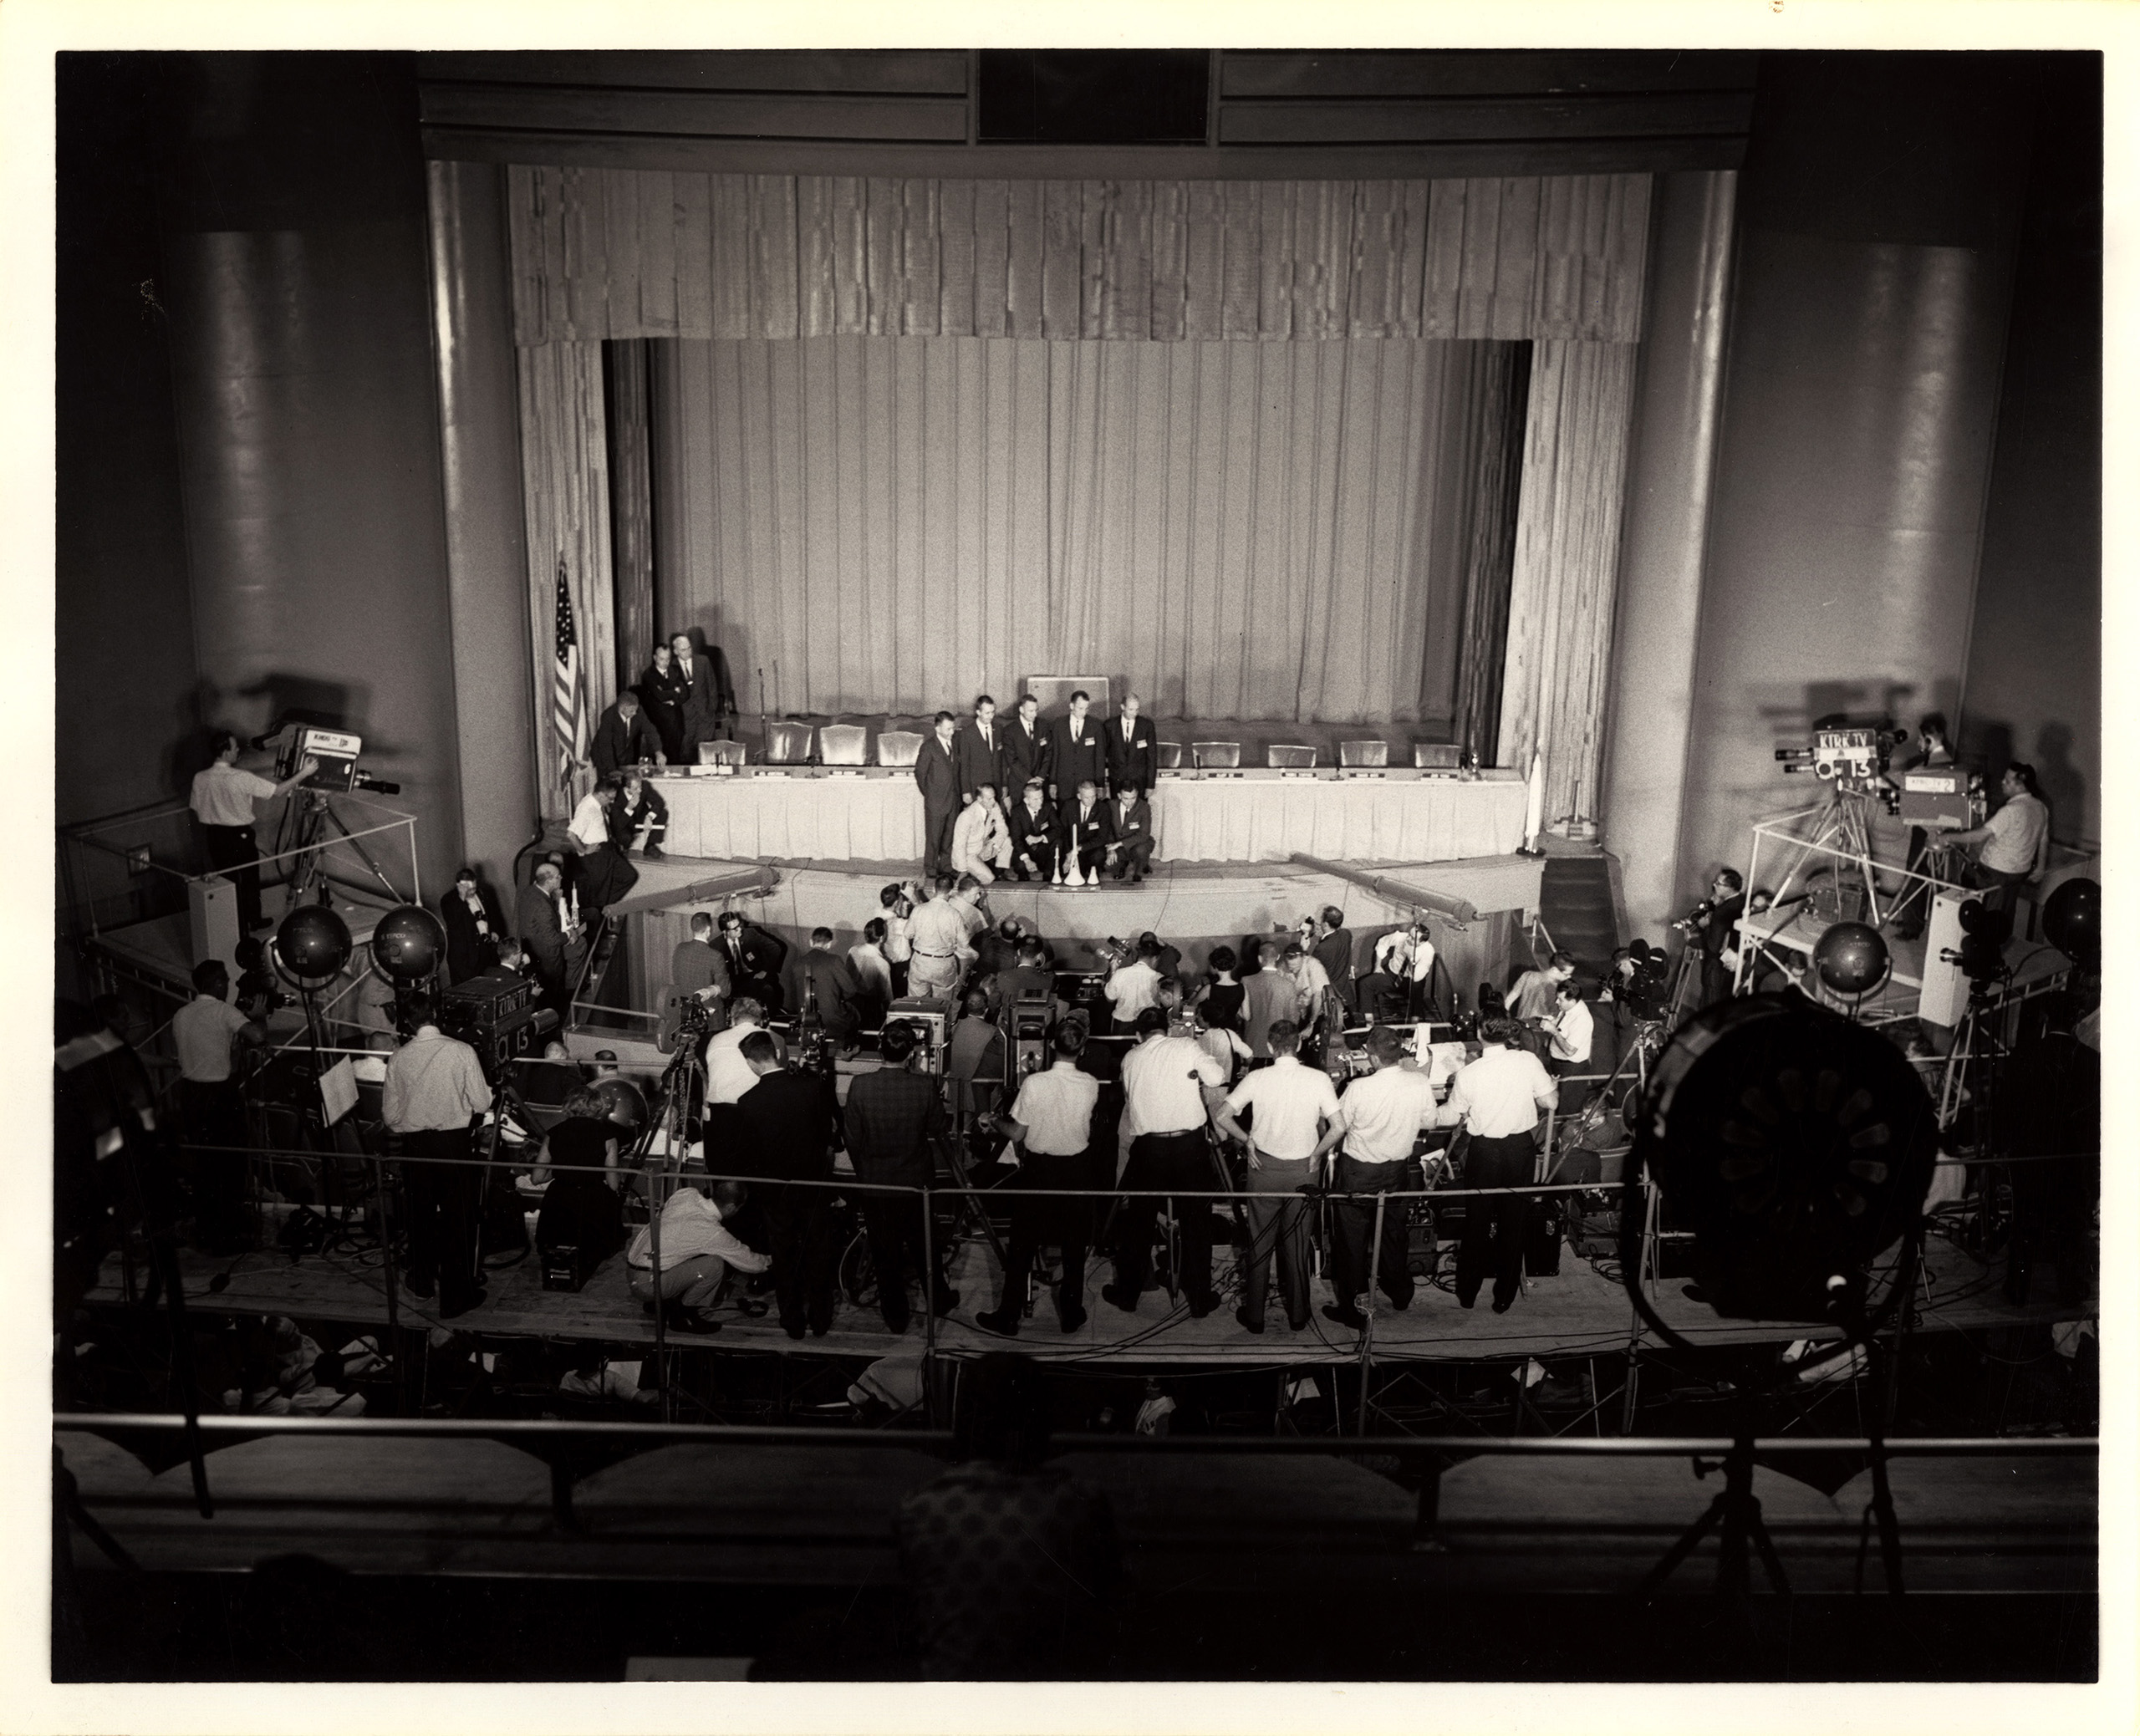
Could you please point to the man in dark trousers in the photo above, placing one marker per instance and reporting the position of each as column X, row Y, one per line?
column 1133, row 749
column 1499, row 1099
column 222, row 802
column 1727, row 903
column 1036, row 833
column 474, row 926
column 936, row 769
column 435, row 1089
column 1087, row 833
column 549, row 936
column 625, row 737
column 752, row 958
column 639, row 818
column 784, row 1124
column 892, row 1116
column 710, row 707
column 979, row 752
column 1129, row 851
column 1080, row 753
column 695, row 967
column 825, row 975
column 1028, row 750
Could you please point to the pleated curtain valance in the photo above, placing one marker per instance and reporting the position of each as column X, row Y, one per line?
column 607, row 253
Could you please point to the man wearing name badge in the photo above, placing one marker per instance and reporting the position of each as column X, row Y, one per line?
column 979, row 752
column 222, row 802
column 1129, row 852
column 1379, row 1122
column 1133, row 749
column 1080, row 753
column 625, row 737
column 1036, row 834
column 1028, row 750
column 1499, row 1099
column 211, row 1110
column 936, row 773
column 1291, row 1106
column 1169, row 1084
column 981, row 841
column 435, row 1089
column 1087, row 833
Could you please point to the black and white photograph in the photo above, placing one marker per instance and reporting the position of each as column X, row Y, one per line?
column 1210, row 868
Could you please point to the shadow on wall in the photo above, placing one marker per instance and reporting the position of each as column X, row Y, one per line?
column 1990, row 743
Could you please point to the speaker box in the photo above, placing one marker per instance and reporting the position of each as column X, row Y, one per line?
column 1542, row 1236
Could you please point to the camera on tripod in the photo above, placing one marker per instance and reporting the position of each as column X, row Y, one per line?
column 336, row 751
column 1854, row 759
column 497, row 1016
column 1982, row 954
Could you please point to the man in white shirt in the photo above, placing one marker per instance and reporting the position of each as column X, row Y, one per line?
column 1532, row 996
column 1133, row 986
column 1291, row 1106
column 2017, row 840
column 211, row 1110
column 1406, row 956
column 728, row 1075
column 1498, row 1099
column 698, row 1252
column 1379, row 1121
column 873, row 971
column 981, row 842
column 1052, row 1121
column 1168, row 1084
column 939, row 944
column 1568, row 1041
column 600, row 874
column 222, row 802
column 435, row 1088
column 1310, row 983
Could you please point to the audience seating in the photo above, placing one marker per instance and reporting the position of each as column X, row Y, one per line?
column 1363, row 753
column 1224, row 755
column 722, row 753
column 898, row 747
column 1291, row 756
column 788, row 744
column 843, row 744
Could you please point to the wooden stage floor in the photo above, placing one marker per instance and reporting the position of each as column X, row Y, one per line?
column 1576, row 1313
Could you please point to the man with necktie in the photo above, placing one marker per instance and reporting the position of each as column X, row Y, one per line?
column 979, row 752
column 936, row 771
column 710, row 702
column 1088, row 834
column 1028, row 750
column 1080, row 755
column 753, row 958
column 625, row 737
column 1133, row 749
column 1129, row 850
column 1036, row 834
column 474, row 926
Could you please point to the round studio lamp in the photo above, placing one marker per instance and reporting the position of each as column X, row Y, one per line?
column 1797, row 1145
column 311, row 945
column 622, row 1102
column 1851, row 958
column 2073, row 921
column 409, row 944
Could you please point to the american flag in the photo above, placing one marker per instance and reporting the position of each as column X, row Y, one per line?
column 568, row 702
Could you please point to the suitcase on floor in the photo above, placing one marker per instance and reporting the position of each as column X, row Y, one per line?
column 1541, row 1236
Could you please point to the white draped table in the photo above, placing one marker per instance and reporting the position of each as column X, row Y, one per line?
column 879, row 819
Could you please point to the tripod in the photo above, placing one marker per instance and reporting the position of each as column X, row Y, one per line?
column 1977, row 1049
column 1686, row 995
column 306, row 871
column 682, row 1085
column 1844, row 827
column 1736, row 1510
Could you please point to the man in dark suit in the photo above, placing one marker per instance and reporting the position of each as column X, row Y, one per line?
column 1028, row 751
column 625, row 737
column 1080, row 754
column 826, row 975
column 639, row 817
column 549, row 940
column 695, row 967
column 1036, row 833
column 1334, row 952
column 1133, row 749
column 474, row 926
column 1087, row 833
column 784, row 1124
column 979, row 752
column 936, row 769
column 710, row 707
column 753, row 958
column 1129, row 818
column 893, row 1116
column 1718, row 933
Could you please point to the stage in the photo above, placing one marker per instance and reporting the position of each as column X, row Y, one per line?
column 1580, row 1312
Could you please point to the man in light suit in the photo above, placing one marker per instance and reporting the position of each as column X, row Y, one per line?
column 1028, row 751
column 1130, row 848
column 979, row 752
column 1080, row 754
column 1132, row 749
column 936, row 769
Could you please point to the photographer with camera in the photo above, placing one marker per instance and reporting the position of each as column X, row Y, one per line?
column 435, row 1092
column 223, row 801
column 1709, row 926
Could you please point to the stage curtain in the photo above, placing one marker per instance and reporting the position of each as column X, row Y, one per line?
column 1494, row 478
column 1245, row 531
column 652, row 253
column 1567, row 548
column 565, row 461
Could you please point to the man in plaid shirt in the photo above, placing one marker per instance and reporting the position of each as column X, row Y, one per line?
column 892, row 1114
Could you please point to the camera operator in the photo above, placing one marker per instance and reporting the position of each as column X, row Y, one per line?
column 2017, row 840
column 222, row 802
column 435, row 1090
column 211, row 1109
column 1709, row 926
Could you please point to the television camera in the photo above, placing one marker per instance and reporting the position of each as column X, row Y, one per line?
column 336, row 751
column 1854, row 759
column 496, row 1015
